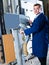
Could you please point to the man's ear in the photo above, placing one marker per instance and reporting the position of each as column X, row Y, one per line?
column 40, row 9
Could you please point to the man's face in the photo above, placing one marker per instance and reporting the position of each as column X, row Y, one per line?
column 37, row 10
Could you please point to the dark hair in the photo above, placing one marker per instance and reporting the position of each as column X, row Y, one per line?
column 37, row 5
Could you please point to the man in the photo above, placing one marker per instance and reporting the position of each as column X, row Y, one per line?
column 39, row 29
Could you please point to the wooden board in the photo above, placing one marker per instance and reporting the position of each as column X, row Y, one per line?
column 8, row 45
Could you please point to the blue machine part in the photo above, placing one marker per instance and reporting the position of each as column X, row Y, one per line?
column 13, row 21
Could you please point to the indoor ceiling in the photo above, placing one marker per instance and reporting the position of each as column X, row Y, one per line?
column 30, row 0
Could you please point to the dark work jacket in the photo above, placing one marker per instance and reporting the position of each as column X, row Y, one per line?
column 39, row 30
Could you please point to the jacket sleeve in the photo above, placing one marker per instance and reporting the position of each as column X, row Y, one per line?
column 37, row 25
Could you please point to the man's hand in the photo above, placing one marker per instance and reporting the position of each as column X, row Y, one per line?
column 30, row 21
column 21, row 31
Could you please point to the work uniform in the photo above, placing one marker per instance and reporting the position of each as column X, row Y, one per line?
column 39, row 29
